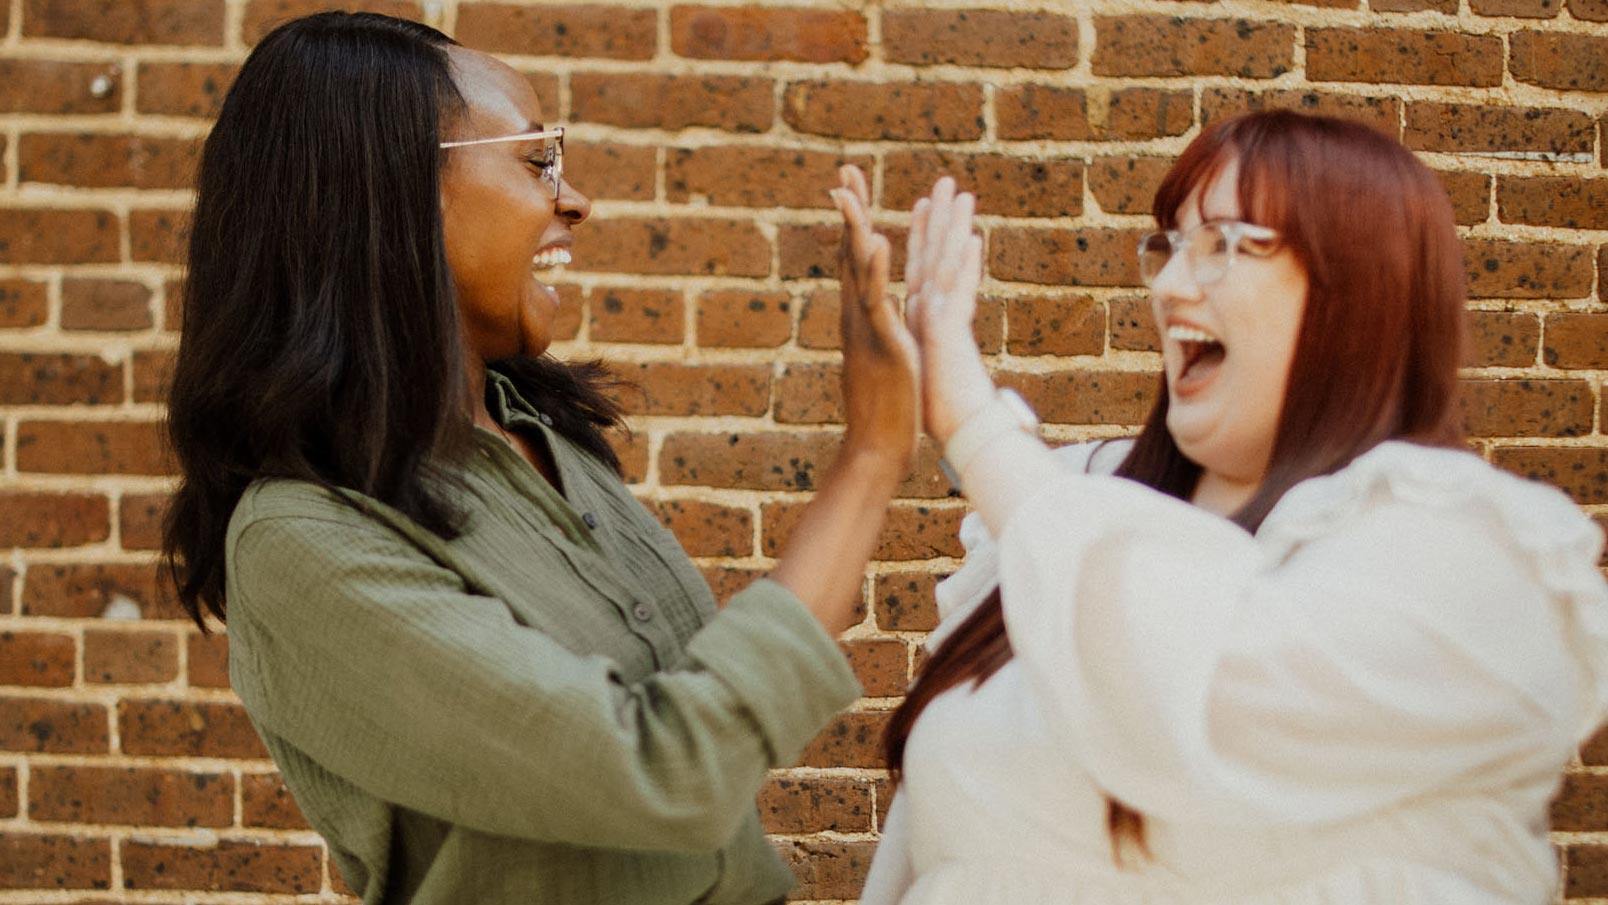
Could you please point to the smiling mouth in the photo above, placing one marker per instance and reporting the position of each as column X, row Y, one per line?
column 1202, row 352
column 550, row 257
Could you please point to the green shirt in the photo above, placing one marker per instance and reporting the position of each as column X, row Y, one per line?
column 548, row 708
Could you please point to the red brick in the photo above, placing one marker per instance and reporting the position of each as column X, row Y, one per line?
column 100, row 161
column 1087, row 256
column 1086, row 397
column 637, row 315
column 891, row 111
column 911, row 532
column 1575, row 340
column 187, row 729
column 809, row 252
column 1589, row 10
column 131, row 796
column 648, row 101
column 733, row 318
column 49, row 86
column 93, row 447
column 1566, row 62
column 226, row 867
column 771, row 33
column 30, row 519
column 596, row 30
column 9, row 805
column 673, row 246
column 1383, row 113
column 632, row 449
column 755, row 177
column 1519, row 9
column 37, row 861
column 980, row 37
column 266, row 801
column 765, row 461
column 1566, row 201
column 881, row 664
column 153, row 372
column 810, row 394
column 707, row 529
column 159, row 236
column 850, row 740
column 172, row 305
column 1126, row 185
column 1398, row 56
column 1581, row 805
column 105, row 305
column 121, row 22
column 1581, row 472
column 828, row 869
column 925, row 481
column 207, row 658
column 139, row 519
column 819, row 321
column 44, row 659
column 8, row 590
column 665, row 388
column 1594, row 752
column 1071, row 114
column 611, row 171
column 815, row 804
column 1445, row 7
column 1586, row 871
column 725, row 581
column 263, row 16
column 82, row 590
column 130, row 658
column 1006, row 185
column 1498, row 269
column 1527, row 408
column 566, row 323
column 1504, row 339
column 1476, row 128
column 22, row 304
column 904, row 601
column 44, row 378
column 1055, row 325
column 1175, row 46
column 53, row 727
column 1470, row 194
column 183, row 89
column 545, row 84
column 37, row 236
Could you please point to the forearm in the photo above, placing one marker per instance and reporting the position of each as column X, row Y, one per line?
column 823, row 561
column 1007, row 473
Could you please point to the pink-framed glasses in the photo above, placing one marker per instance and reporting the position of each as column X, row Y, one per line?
column 551, row 161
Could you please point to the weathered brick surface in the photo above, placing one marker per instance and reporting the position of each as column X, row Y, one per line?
column 708, row 133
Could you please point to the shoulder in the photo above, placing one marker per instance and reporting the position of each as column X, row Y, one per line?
column 1098, row 457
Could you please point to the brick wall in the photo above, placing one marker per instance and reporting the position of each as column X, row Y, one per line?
column 707, row 136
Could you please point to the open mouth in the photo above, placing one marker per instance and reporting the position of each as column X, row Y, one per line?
column 1202, row 352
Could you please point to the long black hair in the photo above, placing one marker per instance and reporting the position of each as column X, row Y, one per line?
column 320, row 335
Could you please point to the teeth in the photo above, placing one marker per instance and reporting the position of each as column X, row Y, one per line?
column 551, row 257
column 1190, row 335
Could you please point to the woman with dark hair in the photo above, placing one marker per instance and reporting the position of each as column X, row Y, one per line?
column 487, row 674
column 1291, row 644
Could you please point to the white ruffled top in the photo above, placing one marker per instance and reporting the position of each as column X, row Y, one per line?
column 1370, row 702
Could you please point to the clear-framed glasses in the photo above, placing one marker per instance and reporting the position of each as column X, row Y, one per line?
column 1208, row 249
column 551, row 158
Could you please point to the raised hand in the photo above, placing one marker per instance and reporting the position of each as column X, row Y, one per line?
column 880, row 382
column 942, row 273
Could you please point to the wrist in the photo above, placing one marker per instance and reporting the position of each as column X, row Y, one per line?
column 1003, row 414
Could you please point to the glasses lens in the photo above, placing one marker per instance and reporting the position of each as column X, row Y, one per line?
column 1209, row 253
column 1155, row 250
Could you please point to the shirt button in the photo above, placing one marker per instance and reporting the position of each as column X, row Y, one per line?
column 545, row 418
column 590, row 519
column 642, row 612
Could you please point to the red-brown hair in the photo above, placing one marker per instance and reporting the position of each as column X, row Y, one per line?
column 1376, row 359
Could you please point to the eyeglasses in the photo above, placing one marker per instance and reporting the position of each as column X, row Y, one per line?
column 552, row 155
column 1208, row 249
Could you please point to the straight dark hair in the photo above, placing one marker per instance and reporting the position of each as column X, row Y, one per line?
column 1376, row 358
column 320, row 337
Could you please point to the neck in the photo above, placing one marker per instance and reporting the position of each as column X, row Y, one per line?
column 477, row 395
column 1223, row 495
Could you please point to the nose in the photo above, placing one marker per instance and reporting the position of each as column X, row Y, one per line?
column 1176, row 282
column 571, row 205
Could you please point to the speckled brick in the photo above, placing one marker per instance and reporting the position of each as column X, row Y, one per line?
column 606, row 172
column 1566, row 201
column 42, row 236
column 1517, row 9
column 8, row 792
column 1589, row 10
column 881, row 665
column 82, row 590
column 811, row 252
column 130, row 796
column 889, row 111
column 1470, row 194
column 95, row 160
column 1585, row 870
column 22, row 304
column 207, row 660
column 636, row 315
column 44, row 659
column 265, row 801
column 725, row 581
column 158, row 236
column 1176, row 46
column 105, row 305
column 1127, row 185
column 1498, row 269
column 690, row 246
column 1073, row 114
column 183, row 89
column 58, row 379
column 768, row 34
column 1086, row 396
column 94, row 447
column 1576, row 340
column 159, row 727
column 1382, row 113
column 1580, row 471
column 756, row 461
column 118, row 22
column 1481, row 128
column 227, row 867
column 828, row 869
column 263, row 16
column 810, row 394
column 1084, row 256
column 52, row 727
column 56, row 87
column 668, row 388
column 1006, row 185
column 904, row 601
column 130, row 658
column 591, row 30
column 1527, row 408
column 1062, row 324
column 742, row 319
column 651, row 101
column 980, row 37
column 1400, row 56
column 815, row 804
column 707, row 529
column 29, row 519
column 1581, row 805
column 1566, row 62
column 1133, row 324
column 912, row 531
column 755, row 177
column 850, row 740
column 48, row 861
column 1503, row 339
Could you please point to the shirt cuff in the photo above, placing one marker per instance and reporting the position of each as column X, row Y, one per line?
column 780, row 662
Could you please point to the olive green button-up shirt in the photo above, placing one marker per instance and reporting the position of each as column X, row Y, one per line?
column 546, row 709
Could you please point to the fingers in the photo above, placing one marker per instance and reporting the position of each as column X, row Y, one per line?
column 853, row 178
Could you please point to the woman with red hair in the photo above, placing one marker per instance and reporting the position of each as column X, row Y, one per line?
column 1292, row 643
